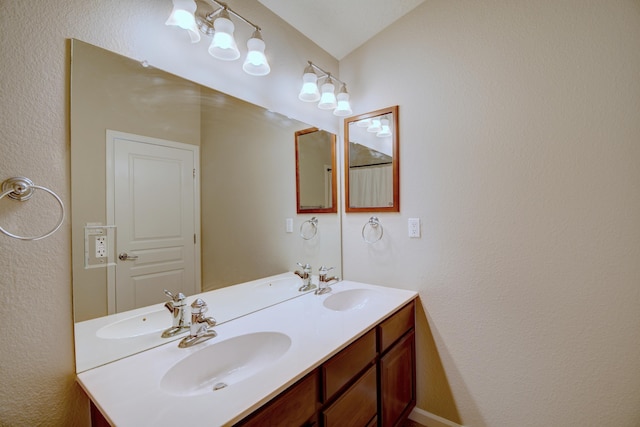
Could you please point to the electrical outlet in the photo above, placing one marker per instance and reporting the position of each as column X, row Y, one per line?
column 289, row 225
column 414, row 227
column 101, row 246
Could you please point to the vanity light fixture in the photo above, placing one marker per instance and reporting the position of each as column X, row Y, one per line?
column 328, row 99
column 197, row 18
column 385, row 130
column 375, row 126
column 182, row 16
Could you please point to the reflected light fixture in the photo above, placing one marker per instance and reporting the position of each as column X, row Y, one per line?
column 217, row 24
column 326, row 95
column 385, row 130
column 375, row 126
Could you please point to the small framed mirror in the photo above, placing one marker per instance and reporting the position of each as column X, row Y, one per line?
column 372, row 162
column 316, row 171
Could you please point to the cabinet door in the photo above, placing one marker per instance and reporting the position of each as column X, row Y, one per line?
column 357, row 406
column 397, row 382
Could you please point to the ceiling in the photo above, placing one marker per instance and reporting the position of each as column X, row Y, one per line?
column 340, row 26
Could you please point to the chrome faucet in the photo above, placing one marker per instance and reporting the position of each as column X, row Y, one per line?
column 324, row 281
column 305, row 275
column 176, row 307
column 199, row 330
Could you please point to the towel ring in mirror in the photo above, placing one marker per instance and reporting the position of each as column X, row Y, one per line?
column 309, row 228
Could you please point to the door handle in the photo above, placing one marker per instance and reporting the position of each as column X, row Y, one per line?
column 126, row 257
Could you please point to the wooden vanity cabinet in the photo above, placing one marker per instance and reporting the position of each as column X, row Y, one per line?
column 370, row 383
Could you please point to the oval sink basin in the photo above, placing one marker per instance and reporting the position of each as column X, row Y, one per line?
column 142, row 324
column 225, row 363
column 352, row 299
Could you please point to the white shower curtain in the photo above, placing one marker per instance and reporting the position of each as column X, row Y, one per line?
column 371, row 186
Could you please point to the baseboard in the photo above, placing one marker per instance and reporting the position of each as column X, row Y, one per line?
column 430, row 420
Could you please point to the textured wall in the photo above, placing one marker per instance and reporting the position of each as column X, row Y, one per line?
column 520, row 146
column 37, row 368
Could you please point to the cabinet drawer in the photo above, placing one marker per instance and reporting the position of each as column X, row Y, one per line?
column 396, row 326
column 357, row 406
column 292, row 408
column 343, row 367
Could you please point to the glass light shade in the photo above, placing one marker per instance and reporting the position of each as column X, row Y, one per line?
column 309, row 91
column 344, row 107
column 182, row 16
column 385, row 129
column 223, row 46
column 375, row 125
column 328, row 97
column 256, row 62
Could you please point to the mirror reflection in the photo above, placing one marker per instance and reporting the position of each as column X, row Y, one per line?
column 372, row 162
column 180, row 187
column 316, row 171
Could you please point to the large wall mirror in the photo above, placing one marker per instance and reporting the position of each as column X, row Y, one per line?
column 372, row 162
column 212, row 179
column 316, row 171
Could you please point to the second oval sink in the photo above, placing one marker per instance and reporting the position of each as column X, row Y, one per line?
column 351, row 299
column 225, row 363
column 142, row 324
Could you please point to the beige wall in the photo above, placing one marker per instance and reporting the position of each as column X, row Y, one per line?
column 37, row 369
column 520, row 152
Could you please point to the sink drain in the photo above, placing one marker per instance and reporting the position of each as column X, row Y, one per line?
column 219, row 386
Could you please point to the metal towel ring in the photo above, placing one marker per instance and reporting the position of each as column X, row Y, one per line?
column 313, row 223
column 374, row 223
column 21, row 189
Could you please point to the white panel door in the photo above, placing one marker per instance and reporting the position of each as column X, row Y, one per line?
column 156, row 213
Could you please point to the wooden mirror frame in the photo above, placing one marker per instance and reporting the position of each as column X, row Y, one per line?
column 334, row 186
column 395, row 160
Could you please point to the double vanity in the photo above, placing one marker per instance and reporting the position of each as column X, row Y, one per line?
column 343, row 358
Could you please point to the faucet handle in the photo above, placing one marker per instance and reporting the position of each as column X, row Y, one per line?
column 325, row 270
column 199, row 306
column 175, row 298
column 306, row 267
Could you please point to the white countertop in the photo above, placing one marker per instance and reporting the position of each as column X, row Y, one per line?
column 128, row 391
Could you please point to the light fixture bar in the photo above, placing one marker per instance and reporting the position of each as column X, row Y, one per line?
column 233, row 12
column 325, row 73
